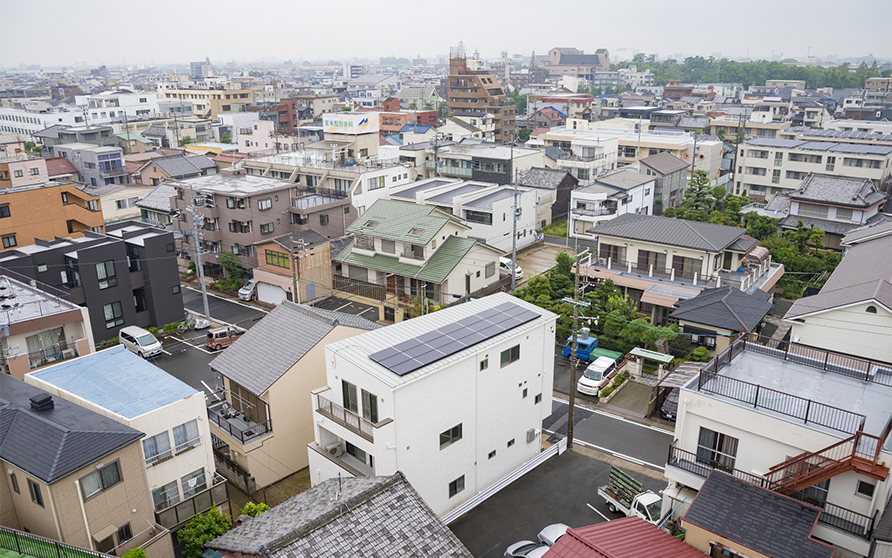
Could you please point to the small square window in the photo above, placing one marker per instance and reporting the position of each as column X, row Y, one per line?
column 484, row 364
column 456, row 486
column 524, row 393
column 537, row 399
column 41, row 268
column 175, row 289
column 170, row 247
column 492, row 454
column 865, row 489
column 510, row 442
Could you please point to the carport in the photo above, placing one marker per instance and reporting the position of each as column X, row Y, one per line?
column 680, row 376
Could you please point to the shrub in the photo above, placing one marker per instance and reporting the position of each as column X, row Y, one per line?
column 203, row 528
column 153, row 330
column 135, row 553
column 701, row 354
column 253, row 510
column 172, row 326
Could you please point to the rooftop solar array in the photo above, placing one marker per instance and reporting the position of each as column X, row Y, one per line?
column 413, row 354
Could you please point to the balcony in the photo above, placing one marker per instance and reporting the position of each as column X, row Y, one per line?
column 236, row 424
column 411, row 254
column 594, row 212
column 348, row 419
column 844, row 519
column 450, row 170
column 51, row 355
column 177, row 514
column 111, row 172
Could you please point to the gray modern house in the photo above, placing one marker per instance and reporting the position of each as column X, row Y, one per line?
column 127, row 276
column 671, row 173
column 96, row 165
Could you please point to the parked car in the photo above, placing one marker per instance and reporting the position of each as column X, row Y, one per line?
column 669, row 409
column 222, row 337
column 526, row 549
column 139, row 341
column 247, row 291
column 550, row 535
column 593, row 376
column 506, row 265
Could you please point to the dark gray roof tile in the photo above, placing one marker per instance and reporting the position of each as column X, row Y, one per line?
column 675, row 232
column 726, row 307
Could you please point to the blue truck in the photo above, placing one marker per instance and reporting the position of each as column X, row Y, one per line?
column 584, row 342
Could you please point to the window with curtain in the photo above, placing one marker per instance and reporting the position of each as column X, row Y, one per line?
column 186, row 435
column 157, row 447
column 165, row 496
column 716, row 449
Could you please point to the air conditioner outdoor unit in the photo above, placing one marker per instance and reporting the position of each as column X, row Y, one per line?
column 336, row 449
column 531, row 435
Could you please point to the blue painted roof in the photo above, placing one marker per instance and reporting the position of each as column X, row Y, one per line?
column 416, row 128
column 117, row 380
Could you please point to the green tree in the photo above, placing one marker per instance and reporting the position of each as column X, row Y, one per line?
column 253, row 510
column 186, row 140
column 225, row 138
column 523, row 134
column 203, row 528
column 701, row 354
column 759, row 226
column 698, row 195
column 135, row 553
column 719, row 192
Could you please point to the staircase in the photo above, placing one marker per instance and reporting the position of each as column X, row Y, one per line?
column 860, row 453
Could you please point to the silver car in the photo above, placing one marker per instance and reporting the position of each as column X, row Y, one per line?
column 526, row 549
column 247, row 291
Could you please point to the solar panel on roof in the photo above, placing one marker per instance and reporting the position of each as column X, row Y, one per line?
column 430, row 347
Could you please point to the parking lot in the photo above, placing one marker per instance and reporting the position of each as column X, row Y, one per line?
column 337, row 304
column 558, row 491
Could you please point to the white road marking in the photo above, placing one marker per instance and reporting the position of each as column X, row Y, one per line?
column 229, row 300
column 165, row 352
column 616, row 417
column 184, row 342
column 628, row 458
column 342, row 307
column 366, row 310
column 597, row 512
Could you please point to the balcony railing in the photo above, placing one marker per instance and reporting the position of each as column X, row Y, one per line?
column 236, row 424
column 214, row 495
column 448, row 169
column 48, row 355
column 412, row 255
column 839, row 517
column 112, row 172
column 40, row 547
column 359, row 287
column 593, row 212
column 583, row 158
column 348, row 419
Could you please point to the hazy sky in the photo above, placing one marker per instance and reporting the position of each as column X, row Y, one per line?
column 165, row 31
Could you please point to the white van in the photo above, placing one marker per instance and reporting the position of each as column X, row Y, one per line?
column 139, row 341
column 506, row 265
column 594, row 375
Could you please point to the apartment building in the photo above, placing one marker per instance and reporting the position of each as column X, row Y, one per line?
column 769, row 166
column 211, row 103
column 39, row 116
column 853, row 310
column 127, row 276
column 658, row 261
column 820, row 436
column 392, row 121
column 47, row 210
column 402, row 249
column 553, row 187
column 99, row 135
column 262, row 137
column 565, row 61
column 616, row 193
column 177, row 447
column 41, row 325
column 73, row 475
column 490, row 358
column 155, row 208
column 96, row 165
column 477, row 160
column 237, row 211
column 319, row 104
column 480, row 93
column 262, row 413
column 21, row 169
column 487, row 208
column 117, row 105
column 671, row 174
column 752, row 125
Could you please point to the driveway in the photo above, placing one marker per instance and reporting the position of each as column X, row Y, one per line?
column 558, row 491
column 336, row 304
column 223, row 310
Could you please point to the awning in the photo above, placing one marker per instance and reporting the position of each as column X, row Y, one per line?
column 683, row 373
column 658, row 300
column 652, row 355
column 104, row 533
column 758, row 253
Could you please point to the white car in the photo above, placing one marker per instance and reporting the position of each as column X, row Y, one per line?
column 139, row 341
column 594, row 375
column 550, row 535
column 506, row 265
column 247, row 291
column 526, row 549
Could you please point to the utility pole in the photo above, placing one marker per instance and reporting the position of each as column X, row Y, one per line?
column 514, row 237
column 295, row 263
column 575, row 358
column 199, row 254
column 694, row 154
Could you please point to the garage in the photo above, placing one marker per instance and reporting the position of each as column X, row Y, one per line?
column 271, row 294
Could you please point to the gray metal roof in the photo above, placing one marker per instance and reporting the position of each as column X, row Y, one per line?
column 467, row 188
column 159, row 199
column 864, row 274
column 51, row 445
column 838, row 190
column 757, row 518
column 201, row 162
column 423, row 186
column 486, row 201
column 867, row 231
column 674, row 232
column 625, row 179
column 310, row 239
column 859, row 149
column 773, row 142
column 664, row 163
column 353, row 516
column 725, row 307
column 549, row 179
column 176, row 166
column 269, row 349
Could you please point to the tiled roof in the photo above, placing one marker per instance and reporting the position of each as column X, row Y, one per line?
column 202, row 162
column 177, row 166
column 53, row 444
column 543, row 178
column 57, row 166
column 118, row 380
column 674, row 232
column 864, row 274
column 416, row 128
column 394, row 220
column 757, row 518
column 870, row 230
column 274, row 344
column 627, row 537
column 664, row 163
column 625, row 179
column 838, row 190
column 159, row 199
column 435, row 270
column 155, row 132
column 694, row 122
column 725, row 307
column 353, row 516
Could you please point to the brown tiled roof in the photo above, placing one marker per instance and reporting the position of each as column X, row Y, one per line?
column 57, row 166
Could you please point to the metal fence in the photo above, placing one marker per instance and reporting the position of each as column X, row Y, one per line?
column 346, row 418
column 40, row 547
column 359, row 287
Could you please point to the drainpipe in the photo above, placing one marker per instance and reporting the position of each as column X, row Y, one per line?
column 80, row 499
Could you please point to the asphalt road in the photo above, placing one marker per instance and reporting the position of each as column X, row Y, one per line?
column 222, row 309
column 572, row 242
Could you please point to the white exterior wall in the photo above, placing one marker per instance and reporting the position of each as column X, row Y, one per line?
column 641, row 200
column 766, row 441
column 488, row 404
column 474, row 261
column 24, row 122
column 109, row 203
column 362, row 198
column 499, row 234
column 848, row 330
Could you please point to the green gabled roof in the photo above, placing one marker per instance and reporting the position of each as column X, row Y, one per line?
column 394, row 219
column 437, row 268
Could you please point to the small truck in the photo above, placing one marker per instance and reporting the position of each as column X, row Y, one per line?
column 584, row 345
column 626, row 495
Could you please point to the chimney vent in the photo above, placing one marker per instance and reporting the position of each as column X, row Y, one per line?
column 42, row 402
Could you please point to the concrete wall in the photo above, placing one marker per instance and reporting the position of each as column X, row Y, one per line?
column 110, row 211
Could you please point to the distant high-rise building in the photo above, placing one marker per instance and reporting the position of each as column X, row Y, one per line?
column 200, row 70
column 473, row 93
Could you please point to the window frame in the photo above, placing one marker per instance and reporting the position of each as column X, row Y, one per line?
column 99, row 473
column 509, row 356
column 104, row 278
column 117, row 314
column 456, row 486
column 9, row 241
column 36, row 494
column 450, row 436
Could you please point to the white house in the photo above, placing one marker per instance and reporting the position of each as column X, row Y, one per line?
column 177, row 445
column 620, row 192
column 454, row 399
column 803, row 422
column 486, row 208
